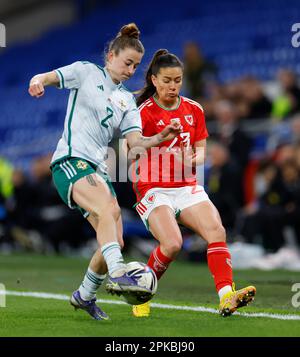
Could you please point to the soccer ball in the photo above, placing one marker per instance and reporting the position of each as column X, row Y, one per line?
column 146, row 278
column 144, row 275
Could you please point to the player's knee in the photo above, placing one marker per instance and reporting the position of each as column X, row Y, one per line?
column 172, row 248
column 110, row 212
column 120, row 238
column 116, row 211
column 217, row 233
column 121, row 243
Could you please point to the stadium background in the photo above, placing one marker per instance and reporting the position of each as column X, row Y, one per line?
column 241, row 67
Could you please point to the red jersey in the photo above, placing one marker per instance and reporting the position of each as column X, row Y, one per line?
column 159, row 168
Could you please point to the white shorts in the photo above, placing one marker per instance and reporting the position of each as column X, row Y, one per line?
column 177, row 199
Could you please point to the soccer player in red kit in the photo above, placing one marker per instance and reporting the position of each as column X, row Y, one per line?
column 166, row 187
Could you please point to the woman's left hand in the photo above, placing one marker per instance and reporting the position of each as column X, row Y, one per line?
column 171, row 131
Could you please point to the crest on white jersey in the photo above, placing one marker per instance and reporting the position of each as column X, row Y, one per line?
column 119, row 100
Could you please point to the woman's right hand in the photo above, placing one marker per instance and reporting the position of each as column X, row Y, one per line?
column 36, row 87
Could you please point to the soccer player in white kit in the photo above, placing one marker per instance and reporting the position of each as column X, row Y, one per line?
column 98, row 104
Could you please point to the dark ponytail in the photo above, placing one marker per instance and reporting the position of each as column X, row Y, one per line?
column 161, row 59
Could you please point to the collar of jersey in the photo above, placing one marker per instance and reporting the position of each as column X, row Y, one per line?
column 165, row 108
column 110, row 81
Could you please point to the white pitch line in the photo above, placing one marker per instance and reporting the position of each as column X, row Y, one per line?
column 160, row 306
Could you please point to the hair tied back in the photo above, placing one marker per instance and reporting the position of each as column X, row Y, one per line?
column 130, row 30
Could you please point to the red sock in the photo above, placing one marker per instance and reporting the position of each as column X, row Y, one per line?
column 219, row 263
column 158, row 262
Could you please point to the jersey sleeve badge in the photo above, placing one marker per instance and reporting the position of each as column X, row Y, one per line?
column 81, row 165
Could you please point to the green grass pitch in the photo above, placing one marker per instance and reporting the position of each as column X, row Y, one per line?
column 185, row 284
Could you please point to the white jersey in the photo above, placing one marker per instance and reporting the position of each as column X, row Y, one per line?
column 96, row 107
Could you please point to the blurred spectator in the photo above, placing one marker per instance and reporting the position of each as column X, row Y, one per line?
column 257, row 105
column 263, row 218
column 19, row 205
column 53, row 219
column 280, row 207
column 231, row 135
column 284, row 153
column 216, row 93
column 224, row 183
column 297, row 154
column 6, row 183
column 38, row 219
column 6, row 191
column 246, row 95
column 277, row 204
column 280, row 134
column 284, row 133
column 295, row 128
column 197, row 71
column 288, row 103
column 291, row 180
column 234, row 94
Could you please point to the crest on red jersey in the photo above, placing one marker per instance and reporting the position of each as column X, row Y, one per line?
column 189, row 119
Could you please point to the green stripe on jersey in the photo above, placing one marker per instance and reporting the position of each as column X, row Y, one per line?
column 130, row 128
column 61, row 78
column 70, row 122
column 166, row 108
column 101, row 69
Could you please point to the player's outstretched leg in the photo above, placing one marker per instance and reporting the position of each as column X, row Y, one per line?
column 159, row 263
column 120, row 283
column 89, row 306
column 219, row 263
column 235, row 299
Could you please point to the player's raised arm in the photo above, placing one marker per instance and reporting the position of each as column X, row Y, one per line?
column 38, row 83
column 136, row 139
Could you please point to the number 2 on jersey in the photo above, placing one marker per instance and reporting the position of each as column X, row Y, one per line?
column 110, row 113
column 186, row 140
